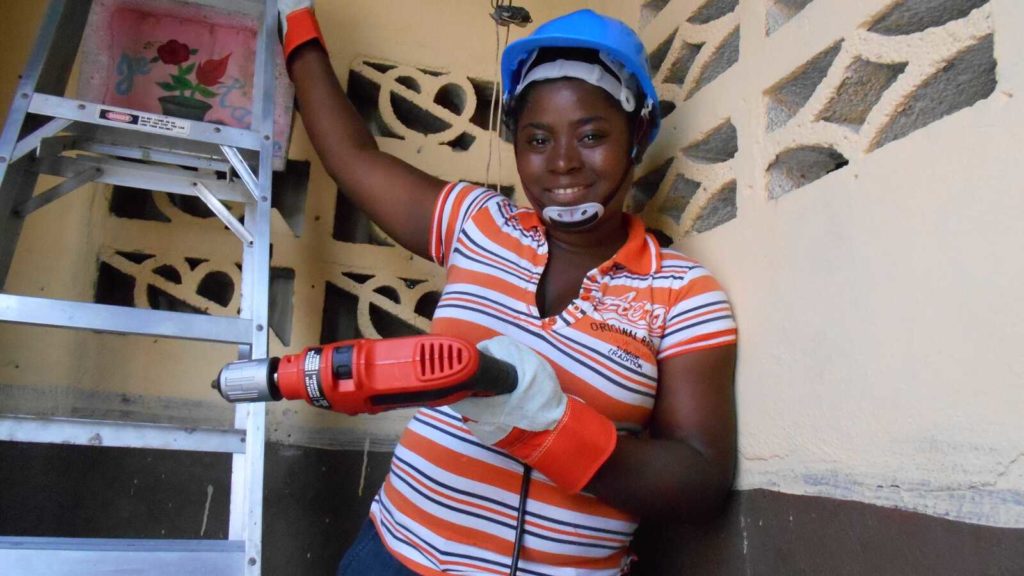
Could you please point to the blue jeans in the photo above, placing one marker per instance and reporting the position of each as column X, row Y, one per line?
column 369, row 557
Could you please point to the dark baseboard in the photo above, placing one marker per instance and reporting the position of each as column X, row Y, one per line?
column 315, row 501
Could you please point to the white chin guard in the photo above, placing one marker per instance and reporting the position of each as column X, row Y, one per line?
column 573, row 216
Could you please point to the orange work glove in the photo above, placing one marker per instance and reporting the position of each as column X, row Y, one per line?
column 299, row 24
column 556, row 434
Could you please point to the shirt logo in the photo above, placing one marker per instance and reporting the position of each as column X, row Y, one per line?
column 632, row 312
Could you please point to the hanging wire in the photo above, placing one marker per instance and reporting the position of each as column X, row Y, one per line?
column 504, row 15
column 502, row 19
column 501, row 104
column 490, row 110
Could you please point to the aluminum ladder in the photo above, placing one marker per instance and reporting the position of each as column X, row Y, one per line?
column 41, row 125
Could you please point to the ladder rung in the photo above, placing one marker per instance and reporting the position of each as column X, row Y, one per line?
column 79, row 432
column 132, row 174
column 147, row 122
column 154, row 155
column 138, row 145
column 34, row 556
column 124, row 320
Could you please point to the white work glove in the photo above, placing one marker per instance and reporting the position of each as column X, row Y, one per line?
column 298, row 24
column 536, row 404
column 558, row 435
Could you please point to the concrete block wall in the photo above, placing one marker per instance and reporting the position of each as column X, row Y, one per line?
column 862, row 151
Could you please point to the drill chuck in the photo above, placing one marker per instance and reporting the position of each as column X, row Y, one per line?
column 249, row 381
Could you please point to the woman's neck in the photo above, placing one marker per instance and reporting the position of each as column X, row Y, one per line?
column 595, row 245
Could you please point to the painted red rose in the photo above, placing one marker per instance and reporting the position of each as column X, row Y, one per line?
column 210, row 72
column 173, row 52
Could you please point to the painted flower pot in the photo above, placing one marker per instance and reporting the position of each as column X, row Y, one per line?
column 184, row 107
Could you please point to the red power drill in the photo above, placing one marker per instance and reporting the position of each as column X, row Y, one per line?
column 365, row 376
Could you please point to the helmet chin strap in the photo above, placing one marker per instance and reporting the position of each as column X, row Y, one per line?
column 573, row 217
column 583, row 215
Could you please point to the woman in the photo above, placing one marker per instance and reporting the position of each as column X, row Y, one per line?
column 608, row 332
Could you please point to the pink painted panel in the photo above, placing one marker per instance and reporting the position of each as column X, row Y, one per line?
column 179, row 59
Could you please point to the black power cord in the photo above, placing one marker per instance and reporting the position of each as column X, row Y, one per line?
column 524, row 491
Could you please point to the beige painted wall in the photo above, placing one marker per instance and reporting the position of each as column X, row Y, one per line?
column 878, row 306
column 879, row 321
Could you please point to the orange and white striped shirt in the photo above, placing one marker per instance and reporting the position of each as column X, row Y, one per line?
column 448, row 504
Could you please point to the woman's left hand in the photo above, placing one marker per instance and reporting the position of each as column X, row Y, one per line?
column 559, row 435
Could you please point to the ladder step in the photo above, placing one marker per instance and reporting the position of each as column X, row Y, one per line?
column 124, row 320
column 147, row 122
column 120, row 149
column 147, row 177
column 79, row 432
column 34, row 556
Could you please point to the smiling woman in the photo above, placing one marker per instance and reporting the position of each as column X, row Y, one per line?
column 573, row 152
column 607, row 330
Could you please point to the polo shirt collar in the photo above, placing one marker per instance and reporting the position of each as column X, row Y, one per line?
column 640, row 254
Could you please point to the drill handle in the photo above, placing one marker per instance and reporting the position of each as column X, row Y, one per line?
column 493, row 377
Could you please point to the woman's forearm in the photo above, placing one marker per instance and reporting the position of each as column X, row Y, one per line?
column 659, row 478
column 396, row 195
column 335, row 128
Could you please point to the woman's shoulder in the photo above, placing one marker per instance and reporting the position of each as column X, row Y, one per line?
column 478, row 200
column 680, row 269
column 472, row 197
column 675, row 259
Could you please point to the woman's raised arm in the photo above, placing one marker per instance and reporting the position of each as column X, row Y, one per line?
column 394, row 194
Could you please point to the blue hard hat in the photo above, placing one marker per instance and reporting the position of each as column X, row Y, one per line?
column 586, row 29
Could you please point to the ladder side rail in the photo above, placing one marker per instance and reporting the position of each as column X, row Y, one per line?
column 48, row 68
column 256, row 278
column 55, row 69
column 15, row 189
column 16, row 181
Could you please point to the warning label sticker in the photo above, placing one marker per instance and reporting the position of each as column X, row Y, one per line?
column 150, row 122
column 314, row 385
